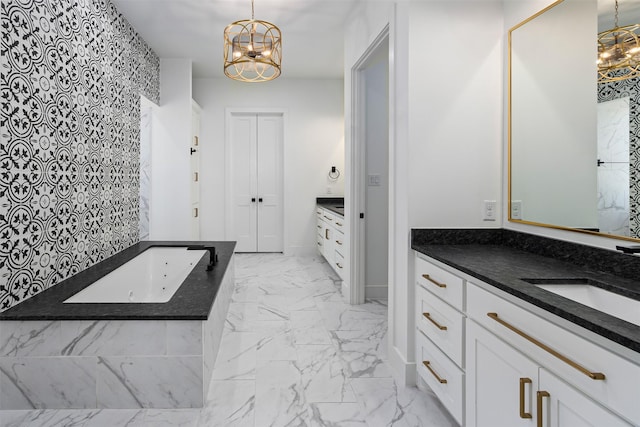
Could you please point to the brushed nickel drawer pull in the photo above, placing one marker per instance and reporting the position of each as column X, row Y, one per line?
column 319, row 226
column 339, row 242
column 329, row 218
column 438, row 284
column 339, row 224
column 339, row 265
column 427, row 364
column 326, row 233
column 319, row 243
column 592, row 375
column 523, row 413
column 540, row 394
column 430, row 319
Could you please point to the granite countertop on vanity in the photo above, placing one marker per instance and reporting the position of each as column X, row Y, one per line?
column 334, row 204
column 192, row 301
column 502, row 258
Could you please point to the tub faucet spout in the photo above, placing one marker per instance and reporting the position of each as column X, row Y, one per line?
column 213, row 258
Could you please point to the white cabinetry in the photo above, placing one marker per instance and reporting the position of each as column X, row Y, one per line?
column 573, row 382
column 195, row 171
column 440, row 333
column 499, row 364
column 330, row 239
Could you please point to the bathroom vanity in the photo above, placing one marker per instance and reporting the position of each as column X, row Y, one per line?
column 330, row 236
column 503, row 341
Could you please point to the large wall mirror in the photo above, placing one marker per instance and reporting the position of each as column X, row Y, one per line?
column 574, row 142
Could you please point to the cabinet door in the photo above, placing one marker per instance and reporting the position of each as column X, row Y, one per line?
column 560, row 405
column 501, row 382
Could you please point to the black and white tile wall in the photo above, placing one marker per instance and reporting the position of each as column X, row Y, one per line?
column 629, row 88
column 71, row 76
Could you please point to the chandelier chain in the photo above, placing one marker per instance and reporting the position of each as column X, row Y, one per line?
column 616, row 18
column 252, row 13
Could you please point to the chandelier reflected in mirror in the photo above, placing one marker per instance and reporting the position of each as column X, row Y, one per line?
column 619, row 52
column 252, row 50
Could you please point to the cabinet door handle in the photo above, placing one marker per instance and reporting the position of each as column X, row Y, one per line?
column 565, row 359
column 430, row 319
column 523, row 382
column 339, row 224
column 438, row 284
column 195, row 212
column 319, row 226
column 339, row 265
column 319, row 243
column 427, row 364
column 326, row 233
column 195, row 177
column 539, row 395
column 339, row 242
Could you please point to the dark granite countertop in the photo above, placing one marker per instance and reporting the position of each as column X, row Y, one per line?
column 192, row 301
column 334, row 204
column 502, row 258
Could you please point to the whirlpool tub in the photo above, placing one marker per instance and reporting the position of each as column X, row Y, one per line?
column 118, row 348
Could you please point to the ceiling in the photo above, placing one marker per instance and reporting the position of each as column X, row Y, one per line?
column 312, row 31
column 628, row 13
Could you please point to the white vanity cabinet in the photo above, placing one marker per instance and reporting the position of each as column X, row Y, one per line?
column 440, row 333
column 330, row 239
column 526, row 371
column 494, row 360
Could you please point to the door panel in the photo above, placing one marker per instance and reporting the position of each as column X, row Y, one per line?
column 269, row 178
column 244, row 182
column 256, row 173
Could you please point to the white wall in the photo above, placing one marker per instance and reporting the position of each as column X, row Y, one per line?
column 170, row 205
column 446, row 128
column 313, row 143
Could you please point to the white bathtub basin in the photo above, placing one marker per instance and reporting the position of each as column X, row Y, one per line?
column 616, row 305
column 153, row 276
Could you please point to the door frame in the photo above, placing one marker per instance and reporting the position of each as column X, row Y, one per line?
column 358, row 184
column 228, row 188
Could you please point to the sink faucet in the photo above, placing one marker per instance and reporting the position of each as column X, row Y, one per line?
column 213, row 258
column 629, row 249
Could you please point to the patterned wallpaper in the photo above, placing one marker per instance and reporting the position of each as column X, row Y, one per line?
column 71, row 76
column 621, row 89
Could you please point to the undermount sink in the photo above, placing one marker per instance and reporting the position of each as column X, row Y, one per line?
column 584, row 292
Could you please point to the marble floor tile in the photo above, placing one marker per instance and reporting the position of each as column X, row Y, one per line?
column 386, row 403
column 230, row 403
column 292, row 354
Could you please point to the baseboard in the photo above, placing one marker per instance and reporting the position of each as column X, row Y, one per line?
column 403, row 371
column 376, row 292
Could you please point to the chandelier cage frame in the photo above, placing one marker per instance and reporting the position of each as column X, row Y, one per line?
column 619, row 52
column 252, row 50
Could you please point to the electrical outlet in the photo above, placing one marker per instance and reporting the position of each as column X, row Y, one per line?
column 374, row 180
column 516, row 209
column 489, row 210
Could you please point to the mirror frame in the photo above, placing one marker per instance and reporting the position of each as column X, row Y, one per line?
column 510, row 148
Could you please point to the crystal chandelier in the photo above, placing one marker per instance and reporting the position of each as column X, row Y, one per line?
column 619, row 52
column 252, row 50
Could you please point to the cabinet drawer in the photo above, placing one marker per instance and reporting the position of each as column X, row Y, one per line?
column 338, row 222
column 433, row 317
column 448, row 287
column 327, row 217
column 443, row 376
column 619, row 390
column 338, row 240
column 338, row 264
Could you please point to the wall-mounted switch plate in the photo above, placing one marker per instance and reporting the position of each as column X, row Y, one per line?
column 516, row 209
column 489, row 210
column 374, row 180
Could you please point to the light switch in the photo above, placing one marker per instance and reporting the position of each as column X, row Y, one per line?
column 374, row 180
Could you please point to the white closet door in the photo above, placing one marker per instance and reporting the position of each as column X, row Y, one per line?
column 244, row 186
column 269, row 173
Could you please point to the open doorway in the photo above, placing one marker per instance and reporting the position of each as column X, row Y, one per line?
column 370, row 241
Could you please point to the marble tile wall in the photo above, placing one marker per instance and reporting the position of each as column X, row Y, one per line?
column 80, row 364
